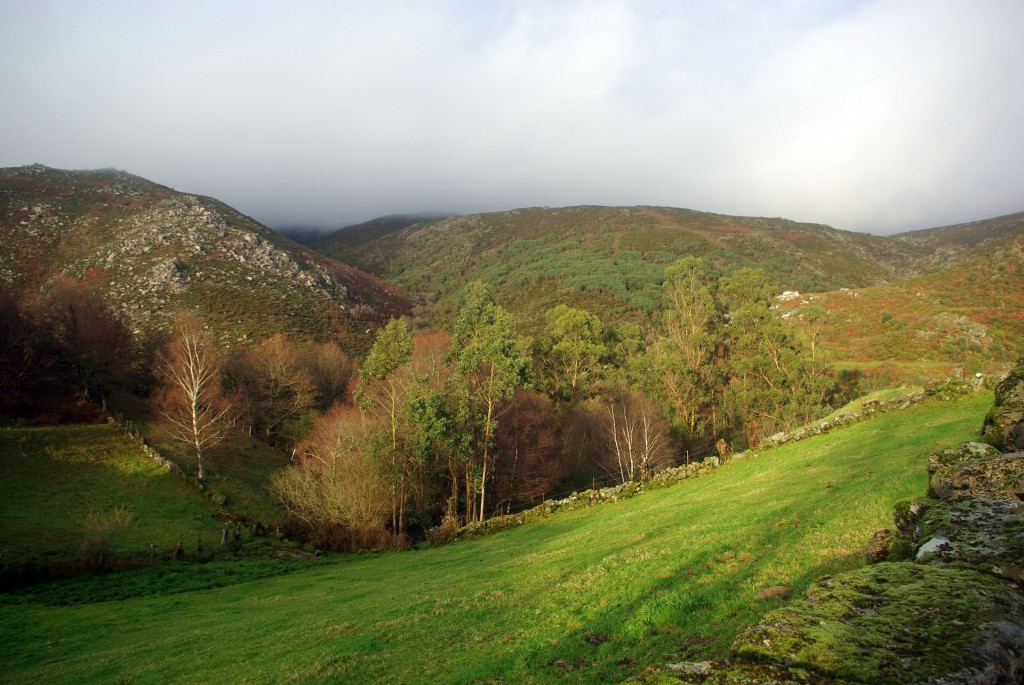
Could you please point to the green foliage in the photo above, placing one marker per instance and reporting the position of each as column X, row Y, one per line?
column 595, row 595
column 570, row 354
column 391, row 349
column 489, row 365
column 775, row 385
column 608, row 260
column 685, row 369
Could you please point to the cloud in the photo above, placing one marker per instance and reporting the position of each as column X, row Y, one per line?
column 865, row 115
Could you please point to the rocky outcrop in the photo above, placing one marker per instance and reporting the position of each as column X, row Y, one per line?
column 1004, row 425
column 151, row 251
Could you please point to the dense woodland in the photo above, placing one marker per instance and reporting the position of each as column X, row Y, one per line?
column 434, row 429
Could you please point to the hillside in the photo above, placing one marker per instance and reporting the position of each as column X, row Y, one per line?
column 947, row 296
column 947, row 245
column 66, row 485
column 970, row 314
column 611, row 259
column 151, row 250
column 594, row 595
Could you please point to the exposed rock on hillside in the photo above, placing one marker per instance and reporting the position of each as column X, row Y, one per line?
column 151, row 250
column 949, row 244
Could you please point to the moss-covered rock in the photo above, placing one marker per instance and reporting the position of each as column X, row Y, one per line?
column 888, row 545
column 734, row 673
column 897, row 623
column 955, row 456
column 976, row 469
column 1004, row 429
column 1010, row 390
column 949, row 389
column 985, row 534
column 907, row 513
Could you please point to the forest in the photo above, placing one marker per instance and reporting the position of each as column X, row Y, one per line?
column 435, row 429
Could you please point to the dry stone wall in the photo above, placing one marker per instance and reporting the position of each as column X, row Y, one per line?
column 942, row 605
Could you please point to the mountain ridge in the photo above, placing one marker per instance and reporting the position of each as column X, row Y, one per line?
column 150, row 250
column 612, row 258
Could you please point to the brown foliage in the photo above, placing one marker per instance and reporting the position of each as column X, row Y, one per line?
column 92, row 342
column 336, row 488
column 271, row 382
column 527, row 449
column 330, row 371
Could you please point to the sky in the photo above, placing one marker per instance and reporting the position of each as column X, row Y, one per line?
column 867, row 115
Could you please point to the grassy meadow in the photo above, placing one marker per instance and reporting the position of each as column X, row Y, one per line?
column 594, row 595
column 63, row 484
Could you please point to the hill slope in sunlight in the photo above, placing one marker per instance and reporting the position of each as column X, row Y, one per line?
column 593, row 595
column 611, row 259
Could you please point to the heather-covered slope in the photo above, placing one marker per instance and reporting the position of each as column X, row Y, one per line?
column 970, row 314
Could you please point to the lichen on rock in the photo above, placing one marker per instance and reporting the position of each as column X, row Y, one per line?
column 1004, row 424
column 1010, row 390
column 897, row 623
column 976, row 469
column 1004, row 429
column 985, row 534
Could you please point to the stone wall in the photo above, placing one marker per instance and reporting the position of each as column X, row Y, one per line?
column 941, row 604
column 945, row 390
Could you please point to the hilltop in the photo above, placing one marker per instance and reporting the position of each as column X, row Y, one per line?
column 151, row 250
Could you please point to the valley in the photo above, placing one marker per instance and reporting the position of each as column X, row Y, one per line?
column 230, row 456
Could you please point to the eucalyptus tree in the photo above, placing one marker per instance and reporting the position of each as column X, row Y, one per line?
column 489, row 365
column 775, row 384
column 571, row 354
column 384, row 381
column 686, row 359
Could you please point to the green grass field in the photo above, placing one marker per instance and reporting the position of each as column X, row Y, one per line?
column 61, row 483
column 594, row 595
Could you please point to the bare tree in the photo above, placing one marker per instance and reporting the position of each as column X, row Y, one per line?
column 636, row 437
column 277, row 386
column 336, row 487
column 193, row 402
